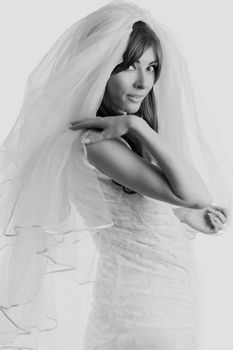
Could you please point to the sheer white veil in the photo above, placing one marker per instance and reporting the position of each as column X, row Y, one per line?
column 51, row 202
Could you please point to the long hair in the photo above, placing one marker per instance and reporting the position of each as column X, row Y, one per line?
column 141, row 38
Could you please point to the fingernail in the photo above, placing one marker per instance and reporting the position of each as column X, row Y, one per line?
column 213, row 219
column 85, row 141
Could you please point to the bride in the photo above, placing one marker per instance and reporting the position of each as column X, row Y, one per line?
column 126, row 120
column 108, row 149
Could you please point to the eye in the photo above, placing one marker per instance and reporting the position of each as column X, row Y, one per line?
column 154, row 68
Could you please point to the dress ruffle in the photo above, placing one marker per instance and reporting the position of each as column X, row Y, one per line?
column 146, row 293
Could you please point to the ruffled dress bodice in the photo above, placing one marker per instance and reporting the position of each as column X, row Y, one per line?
column 145, row 293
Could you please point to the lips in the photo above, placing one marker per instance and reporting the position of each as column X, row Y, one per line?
column 135, row 98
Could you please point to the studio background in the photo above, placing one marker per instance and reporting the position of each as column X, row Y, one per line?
column 29, row 28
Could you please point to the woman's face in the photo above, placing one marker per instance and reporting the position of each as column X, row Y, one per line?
column 128, row 88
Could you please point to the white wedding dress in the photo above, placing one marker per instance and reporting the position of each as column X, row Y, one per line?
column 145, row 295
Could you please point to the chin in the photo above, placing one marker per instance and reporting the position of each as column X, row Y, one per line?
column 132, row 110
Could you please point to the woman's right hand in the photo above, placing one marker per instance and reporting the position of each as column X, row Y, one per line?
column 112, row 126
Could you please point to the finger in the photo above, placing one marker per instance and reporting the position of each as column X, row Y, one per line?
column 217, row 222
column 93, row 139
column 221, row 209
column 82, row 125
column 79, row 126
column 95, row 119
column 77, row 121
column 80, row 121
column 214, row 226
column 219, row 214
column 211, row 222
column 85, row 126
column 90, row 122
column 210, row 219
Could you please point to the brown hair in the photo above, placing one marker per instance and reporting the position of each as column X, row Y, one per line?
column 141, row 38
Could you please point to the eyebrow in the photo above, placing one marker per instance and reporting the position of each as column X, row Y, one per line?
column 156, row 61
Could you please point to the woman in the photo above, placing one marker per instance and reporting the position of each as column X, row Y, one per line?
column 144, row 293
column 129, row 91
column 120, row 74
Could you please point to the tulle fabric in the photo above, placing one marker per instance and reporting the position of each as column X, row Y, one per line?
column 51, row 202
column 54, row 243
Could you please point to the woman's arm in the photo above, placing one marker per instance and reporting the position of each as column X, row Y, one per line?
column 180, row 213
column 111, row 156
column 184, row 180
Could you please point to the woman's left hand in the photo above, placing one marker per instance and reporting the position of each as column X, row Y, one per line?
column 112, row 126
column 208, row 220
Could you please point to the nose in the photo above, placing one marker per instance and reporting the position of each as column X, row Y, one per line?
column 142, row 80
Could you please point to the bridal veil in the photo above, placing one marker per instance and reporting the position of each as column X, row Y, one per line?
column 50, row 199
